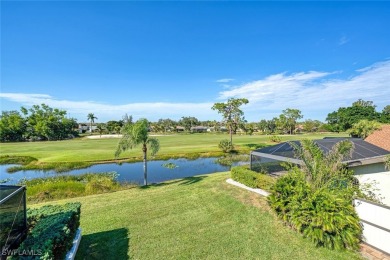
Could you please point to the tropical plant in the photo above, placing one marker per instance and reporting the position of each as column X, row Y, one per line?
column 316, row 198
column 101, row 128
column 134, row 135
column 231, row 113
column 364, row 128
column 91, row 117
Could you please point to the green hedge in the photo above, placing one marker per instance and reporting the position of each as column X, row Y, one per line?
column 244, row 175
column 53, row 230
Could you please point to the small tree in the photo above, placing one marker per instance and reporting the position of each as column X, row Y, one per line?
column 134, row 135
column 231, row 113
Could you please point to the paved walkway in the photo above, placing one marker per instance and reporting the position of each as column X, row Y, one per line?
column 372, row 254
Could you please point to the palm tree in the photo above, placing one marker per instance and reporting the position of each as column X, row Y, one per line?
column 91, row 117
column 134, row 135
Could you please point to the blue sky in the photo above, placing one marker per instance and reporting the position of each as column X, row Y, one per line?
column 174, row 59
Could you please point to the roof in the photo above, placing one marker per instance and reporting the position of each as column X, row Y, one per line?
column 363, row 151
column 380, row 138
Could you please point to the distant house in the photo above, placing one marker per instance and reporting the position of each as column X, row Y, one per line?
column 380, row 138
column 180, row 129
column 199, row 129
column 84, row 127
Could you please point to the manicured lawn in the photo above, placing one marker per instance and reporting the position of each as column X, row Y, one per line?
column 180, row 145
column 201, row 217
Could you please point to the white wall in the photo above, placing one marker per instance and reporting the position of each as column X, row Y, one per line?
column 376, row 224
column 382, row 180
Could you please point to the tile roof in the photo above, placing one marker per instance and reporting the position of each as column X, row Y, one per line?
column 380, row 138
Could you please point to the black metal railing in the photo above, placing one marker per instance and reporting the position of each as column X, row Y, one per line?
column 13, row 217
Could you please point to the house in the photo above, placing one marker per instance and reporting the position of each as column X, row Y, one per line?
column 380, row 138
column 180, row 129
column 84, row 127
column 199, row 129
column 367, row 161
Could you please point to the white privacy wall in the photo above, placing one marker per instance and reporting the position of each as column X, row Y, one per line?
column 382, row 180
column 376, row 224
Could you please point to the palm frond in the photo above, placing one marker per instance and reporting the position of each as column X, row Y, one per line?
column 154, row 145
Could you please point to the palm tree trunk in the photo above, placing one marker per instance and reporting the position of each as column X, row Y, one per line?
column 145, row 149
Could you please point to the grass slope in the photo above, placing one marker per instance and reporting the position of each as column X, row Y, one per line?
column 180, row 145
column 201, row 217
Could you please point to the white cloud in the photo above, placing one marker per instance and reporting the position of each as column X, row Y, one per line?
column 104, row 112
column 314, row 92
column 224, row 80
column 343, row 40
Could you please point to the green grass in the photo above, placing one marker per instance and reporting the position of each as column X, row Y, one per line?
column 172, row 146
column 201, row 217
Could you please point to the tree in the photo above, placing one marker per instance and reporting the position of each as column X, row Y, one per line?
column 364, row 128
column 188, row 122
column 311, row 125
column 231, row 113
column 345, row 117
column 134, row 135
column 101, row 128
column 385, row 116
column 12, row 126
column 91, row 117
column 291, row 116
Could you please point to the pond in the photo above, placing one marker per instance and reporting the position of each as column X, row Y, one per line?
column 131, row 172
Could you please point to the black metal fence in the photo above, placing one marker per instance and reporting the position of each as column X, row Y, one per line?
column 13, row 216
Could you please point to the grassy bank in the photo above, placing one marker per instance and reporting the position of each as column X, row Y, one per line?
column 49, row 154
column 201, row 217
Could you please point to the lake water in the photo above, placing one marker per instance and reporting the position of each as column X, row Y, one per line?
column 130, row 172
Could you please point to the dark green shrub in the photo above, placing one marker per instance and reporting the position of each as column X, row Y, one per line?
column 53, row 230
column 252, row 179
column 325, row 216
column 226, row 146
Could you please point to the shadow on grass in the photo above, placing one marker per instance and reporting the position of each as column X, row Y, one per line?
column 112, row 244
column 184, row 181
column 255, row 146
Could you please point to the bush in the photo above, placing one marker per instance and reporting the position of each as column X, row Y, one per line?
column 53, row 230
column 252, row 179
column 226, row 146
column 324, row 215
column 275, row 139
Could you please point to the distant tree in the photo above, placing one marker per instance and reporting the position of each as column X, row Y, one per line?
column 165, row 125
column 134, row 135
column 292, row 115
column 364, row 128
column 188, row 122
column 385, row 115
column 46, row 123
column 231, row 113
column 112, row 125
column 12, row 126
column 311, row 125
column 101, row 128
column 345, row 117
column 91, row 117
column 263, row 125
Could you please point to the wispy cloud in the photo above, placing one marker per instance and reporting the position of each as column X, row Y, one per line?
column 224, row 80
column 343, row 40
column 80, row 109
column 314, row 91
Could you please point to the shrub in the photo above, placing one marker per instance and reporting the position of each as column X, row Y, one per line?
column 316, row 199
column 323, row 216
column 252, row 179
column 226, row 146
column 275, row 139
column 53, row 230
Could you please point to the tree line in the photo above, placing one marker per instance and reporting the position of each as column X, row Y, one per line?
column 46, row 123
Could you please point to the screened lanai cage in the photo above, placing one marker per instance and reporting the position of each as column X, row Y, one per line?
column 365, row 157
column 13, row 218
